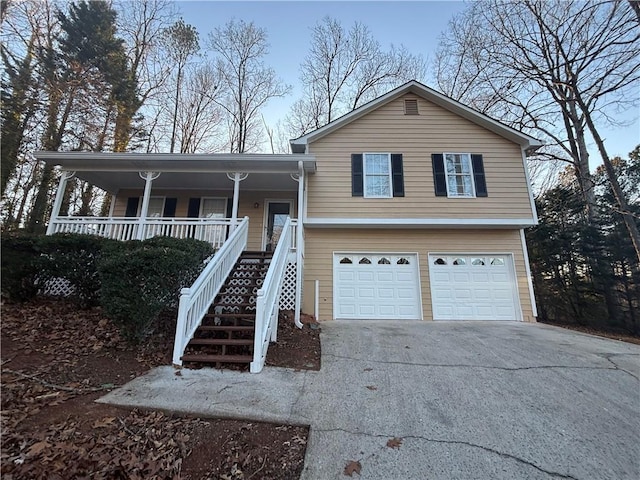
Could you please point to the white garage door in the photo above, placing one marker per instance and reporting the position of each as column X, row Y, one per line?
column 473, row 287
column 376, row 286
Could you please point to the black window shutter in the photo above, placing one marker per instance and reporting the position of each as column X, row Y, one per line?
column 397, row 175
column 357, row 178
column 169, row 207
column 439, row 176
column 193, row 210
column 132, row 207
column 478, row 176
column 229, row 211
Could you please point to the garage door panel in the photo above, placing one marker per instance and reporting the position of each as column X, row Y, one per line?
column 365, row 276
column 384, row 289
column 408, row 277
column 440, row 276
column 500, row 277
column 366, row 310
column 347, row 293
column 366, row 292
column 385, row 292
column 466, row 287
column 347, row 309
column 346, row 276
column 478, row 277
column 502, row 294
column 387, row 310
column 405, row 293
column 442, row 293
column 406, row 311
column 461, row 277
column 462, row 294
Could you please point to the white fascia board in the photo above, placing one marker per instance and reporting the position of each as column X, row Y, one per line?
column 177, row 162
column 408, row 223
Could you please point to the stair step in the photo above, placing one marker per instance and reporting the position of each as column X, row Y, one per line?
column 194, row 357
column 256, row 253
column 226, row 328
column 244, row 304
column 219, row 341
column 230, row 315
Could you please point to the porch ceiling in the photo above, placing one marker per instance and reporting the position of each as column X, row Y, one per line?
column 117, row 171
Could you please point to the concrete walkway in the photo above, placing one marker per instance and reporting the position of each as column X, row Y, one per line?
column 468, row 400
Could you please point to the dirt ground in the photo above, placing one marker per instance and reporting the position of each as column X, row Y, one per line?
column 620, row 336
column 56, row 360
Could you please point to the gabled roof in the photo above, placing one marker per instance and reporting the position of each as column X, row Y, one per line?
column 298, row 145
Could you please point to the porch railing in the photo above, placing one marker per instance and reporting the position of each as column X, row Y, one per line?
column 196, row 300
column 209, row 230
column 267, row 302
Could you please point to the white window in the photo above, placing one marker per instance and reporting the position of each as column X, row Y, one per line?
column 377, row 175
column 156, row 207
column 459, row 173
column 213, row 208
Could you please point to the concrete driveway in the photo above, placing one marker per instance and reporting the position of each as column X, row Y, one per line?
column 465, row 400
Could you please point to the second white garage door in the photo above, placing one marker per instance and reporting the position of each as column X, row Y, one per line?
column 473, row 287
column 376, row 286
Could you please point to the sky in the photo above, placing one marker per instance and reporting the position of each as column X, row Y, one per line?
column 415, row 24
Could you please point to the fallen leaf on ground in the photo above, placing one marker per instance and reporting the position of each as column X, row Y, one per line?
column 394, row 442
column 352, row 467
column 372, row 387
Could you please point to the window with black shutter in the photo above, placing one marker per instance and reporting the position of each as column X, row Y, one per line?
column 377, row 175
column 458, row 175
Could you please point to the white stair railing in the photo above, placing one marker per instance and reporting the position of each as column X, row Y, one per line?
column 196, row 300
column 268, row 299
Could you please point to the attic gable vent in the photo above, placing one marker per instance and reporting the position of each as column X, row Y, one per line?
column 410, row 106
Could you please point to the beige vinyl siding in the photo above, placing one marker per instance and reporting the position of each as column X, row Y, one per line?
column 322, row 243
column 246, row 206
column 416, row 137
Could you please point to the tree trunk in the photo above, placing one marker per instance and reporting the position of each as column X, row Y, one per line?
column 618, row 194
column 52, row 142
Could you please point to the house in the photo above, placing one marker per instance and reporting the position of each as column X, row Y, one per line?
column 411, row 207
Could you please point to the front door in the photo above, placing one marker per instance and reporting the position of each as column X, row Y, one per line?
column 277, row 213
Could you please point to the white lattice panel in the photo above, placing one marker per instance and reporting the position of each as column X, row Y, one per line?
column 288, row 293
column 57, row 287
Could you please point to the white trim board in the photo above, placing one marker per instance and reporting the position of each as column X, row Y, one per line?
column 320, row 222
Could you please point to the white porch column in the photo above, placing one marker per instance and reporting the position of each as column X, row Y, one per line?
column 237, row 177
column 57, row 203
column 149, row 177
column 299, row 244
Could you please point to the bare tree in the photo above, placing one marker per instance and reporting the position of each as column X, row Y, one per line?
column 143, row 25
column 561, row 69
column 345, row 69
column 199, row 115
column 246, row 83
column 182, row 43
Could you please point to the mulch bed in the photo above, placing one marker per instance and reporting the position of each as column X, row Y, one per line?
column 56, row 360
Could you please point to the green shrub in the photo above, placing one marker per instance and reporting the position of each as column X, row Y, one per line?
column 141, row 279
column 20, row 255
column 75, row 258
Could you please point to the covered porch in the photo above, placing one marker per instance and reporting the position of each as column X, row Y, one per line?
column 199, row 196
